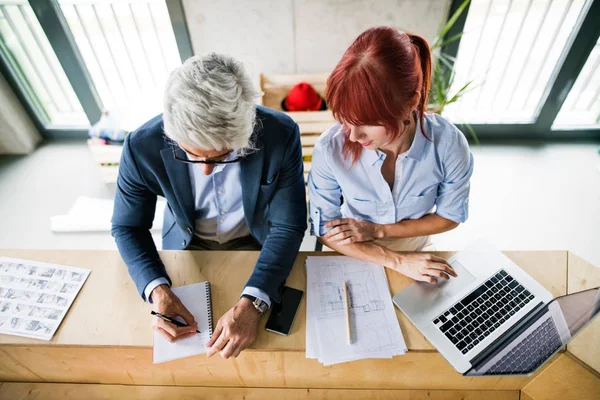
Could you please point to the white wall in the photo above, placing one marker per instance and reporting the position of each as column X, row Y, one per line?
column 18, row 135
column 300, row 36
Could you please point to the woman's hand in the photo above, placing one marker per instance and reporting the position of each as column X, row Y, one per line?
column 424, row 267
column 350, row 230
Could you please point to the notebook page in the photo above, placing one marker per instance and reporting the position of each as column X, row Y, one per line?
column 196, row 299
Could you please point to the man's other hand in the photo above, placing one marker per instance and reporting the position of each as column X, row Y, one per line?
column 235, row 331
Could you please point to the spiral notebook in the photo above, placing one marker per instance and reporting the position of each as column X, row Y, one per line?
column 196, row 299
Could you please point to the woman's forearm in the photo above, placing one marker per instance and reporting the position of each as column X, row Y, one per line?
column 366, row 251
column 429, row 224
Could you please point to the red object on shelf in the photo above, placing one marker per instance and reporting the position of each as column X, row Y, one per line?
column 303, row 97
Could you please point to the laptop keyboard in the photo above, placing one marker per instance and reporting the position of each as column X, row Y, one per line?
column 530, row 353
column 475, row 317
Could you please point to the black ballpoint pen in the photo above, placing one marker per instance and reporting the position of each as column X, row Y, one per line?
column 171, row 320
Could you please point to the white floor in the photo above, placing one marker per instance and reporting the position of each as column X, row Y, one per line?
column 522, row 198
column 541, row 198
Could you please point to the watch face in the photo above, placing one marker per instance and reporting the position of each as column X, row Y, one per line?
column 261, row 306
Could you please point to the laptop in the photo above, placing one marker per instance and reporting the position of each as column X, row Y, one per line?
column 495, row 319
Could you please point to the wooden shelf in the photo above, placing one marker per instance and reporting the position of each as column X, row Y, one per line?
column 311, row 123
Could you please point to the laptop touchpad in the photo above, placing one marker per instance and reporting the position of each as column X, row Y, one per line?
column 418, row 299
column 448, row 288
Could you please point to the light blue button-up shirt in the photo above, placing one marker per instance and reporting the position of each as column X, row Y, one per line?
column 219, row 211
column 218, row 199
column 435, row 171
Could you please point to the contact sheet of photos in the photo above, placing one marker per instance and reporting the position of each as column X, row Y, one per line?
column 34, row 296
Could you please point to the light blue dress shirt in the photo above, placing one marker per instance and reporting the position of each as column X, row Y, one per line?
column 219, row 212
column 218, row 198
column 435, row 171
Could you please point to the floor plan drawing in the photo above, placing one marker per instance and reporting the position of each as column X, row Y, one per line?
column 362, row 290
column 375, row 331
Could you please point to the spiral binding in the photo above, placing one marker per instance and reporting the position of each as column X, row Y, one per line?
column 209, row 309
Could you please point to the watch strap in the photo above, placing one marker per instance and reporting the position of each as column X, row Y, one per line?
column 260, row 305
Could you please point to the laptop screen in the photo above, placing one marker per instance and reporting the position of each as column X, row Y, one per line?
column 544, row 336
column 579, row 308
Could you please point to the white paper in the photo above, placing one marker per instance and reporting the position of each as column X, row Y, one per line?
column 35, row 297
column 375, row 329
column 312, row 343
column 194, row 298
column 93, row 215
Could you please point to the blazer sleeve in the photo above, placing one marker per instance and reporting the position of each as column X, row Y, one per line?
column 133, row 214
column 287, row 220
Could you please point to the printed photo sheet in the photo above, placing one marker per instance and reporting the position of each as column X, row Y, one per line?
column 35, row 296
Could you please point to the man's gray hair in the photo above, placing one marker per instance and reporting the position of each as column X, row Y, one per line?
column 209, row 104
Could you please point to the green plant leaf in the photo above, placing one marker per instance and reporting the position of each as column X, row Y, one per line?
column 459, row 93
column 473, row 133
column 451, row 39
column 447, row 57
column 443, row 72
column 447, row 63
column 444, row 31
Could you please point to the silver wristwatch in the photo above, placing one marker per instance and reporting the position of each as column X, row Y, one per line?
column 261, row 306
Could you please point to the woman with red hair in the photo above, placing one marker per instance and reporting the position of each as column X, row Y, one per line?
column 379, row 173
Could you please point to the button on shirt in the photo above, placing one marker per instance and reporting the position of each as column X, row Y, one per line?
column 219, row 213
column 434, row 172
column 218, row 198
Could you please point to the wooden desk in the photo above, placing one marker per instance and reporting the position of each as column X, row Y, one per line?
column 106, row 336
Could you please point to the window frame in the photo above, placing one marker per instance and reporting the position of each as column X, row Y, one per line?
column 56, row 29
column 565, row 74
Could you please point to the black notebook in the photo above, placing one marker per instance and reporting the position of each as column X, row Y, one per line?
column 196, row 299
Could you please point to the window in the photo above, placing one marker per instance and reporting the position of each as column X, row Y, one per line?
column 69, row 60
column 510, row 49
column 582, row 106
column 129, row 49
column 30, row 56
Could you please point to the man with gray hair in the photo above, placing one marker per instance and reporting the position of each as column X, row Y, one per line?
column 232, row 175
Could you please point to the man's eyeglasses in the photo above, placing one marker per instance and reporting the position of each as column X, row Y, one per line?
column 220, row 159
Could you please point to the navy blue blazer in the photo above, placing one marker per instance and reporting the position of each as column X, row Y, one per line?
column 273, row 196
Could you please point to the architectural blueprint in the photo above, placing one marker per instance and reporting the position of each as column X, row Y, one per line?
column 373, row 323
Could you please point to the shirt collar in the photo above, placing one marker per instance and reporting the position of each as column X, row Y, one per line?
column 221, row 167
column 372, row 156
column 415, row 151
column 218, row 167
column 418, row 145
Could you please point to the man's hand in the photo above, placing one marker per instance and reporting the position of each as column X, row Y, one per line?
column 165, row 302
column 423, row 267
column 235, row 331
column 350, row 230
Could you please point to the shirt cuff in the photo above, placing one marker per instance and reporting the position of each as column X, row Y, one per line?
column 255, row 292
column 458, row 213
column 317, row 224
column 152, row 285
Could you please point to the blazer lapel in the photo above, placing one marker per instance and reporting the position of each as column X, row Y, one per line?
column 251, row 171
column 179, row 175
